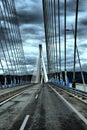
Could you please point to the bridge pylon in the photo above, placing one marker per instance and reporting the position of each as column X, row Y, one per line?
column 41, row 73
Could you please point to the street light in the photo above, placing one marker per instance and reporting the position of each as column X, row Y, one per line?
column 78, row 60
column 75, row 41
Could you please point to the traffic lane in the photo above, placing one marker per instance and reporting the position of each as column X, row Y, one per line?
column 10, row 111
column 53, row 114
column 77, row 102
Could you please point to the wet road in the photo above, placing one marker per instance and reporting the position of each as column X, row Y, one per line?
column 46, row 112
column 15, row 109
column 52, row 114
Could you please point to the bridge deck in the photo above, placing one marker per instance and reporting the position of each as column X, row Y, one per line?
column 45, row 109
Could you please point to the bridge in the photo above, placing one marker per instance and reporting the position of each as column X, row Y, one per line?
column 51, row 98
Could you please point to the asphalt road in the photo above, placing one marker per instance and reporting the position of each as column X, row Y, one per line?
column 15, row 109
column 45, row 109
column 52, row 114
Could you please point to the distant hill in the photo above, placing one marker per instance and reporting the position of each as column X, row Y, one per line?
column 78, row 76
column 28, row 77
column 70, row 76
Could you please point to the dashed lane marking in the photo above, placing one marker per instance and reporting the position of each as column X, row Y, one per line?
column 24, row 122
column 36, row 96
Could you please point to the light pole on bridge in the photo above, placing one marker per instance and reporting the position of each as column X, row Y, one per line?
column 72, row 30
column 75, row 44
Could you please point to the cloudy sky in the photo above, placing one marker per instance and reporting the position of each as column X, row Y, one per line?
column 30, row 14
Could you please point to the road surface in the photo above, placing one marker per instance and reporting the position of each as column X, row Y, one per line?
column 45, row 109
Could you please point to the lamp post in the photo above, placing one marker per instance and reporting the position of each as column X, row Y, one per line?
column 75, row 38
column 72, row 30
column 75, row 42
column 79, row 62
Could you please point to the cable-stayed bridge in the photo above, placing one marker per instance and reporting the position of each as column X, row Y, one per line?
column 49, row 100
column 12, row 59
column 57, row 54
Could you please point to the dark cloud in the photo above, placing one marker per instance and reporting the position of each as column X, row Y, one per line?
column 33, row 30
column 31, row 60
column 83, row 21
column 71, row 7
column 26, row 17
column 82, row 31
column 30, row 30
column 83, row 45
column 30, row 14
column 30, row 17
column 33, row 33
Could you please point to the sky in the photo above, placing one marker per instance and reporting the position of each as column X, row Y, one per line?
column 30, row 15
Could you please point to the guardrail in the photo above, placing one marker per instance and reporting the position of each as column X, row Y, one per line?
column 74, row 91
column 79, row 93
column 4, row 96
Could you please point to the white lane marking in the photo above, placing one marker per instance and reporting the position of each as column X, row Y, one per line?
column 36, row 96
column 10, row 98
column 24, row 122
column 70, row 106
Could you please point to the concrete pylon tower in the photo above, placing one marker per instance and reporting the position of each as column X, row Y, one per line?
column 41, row 65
